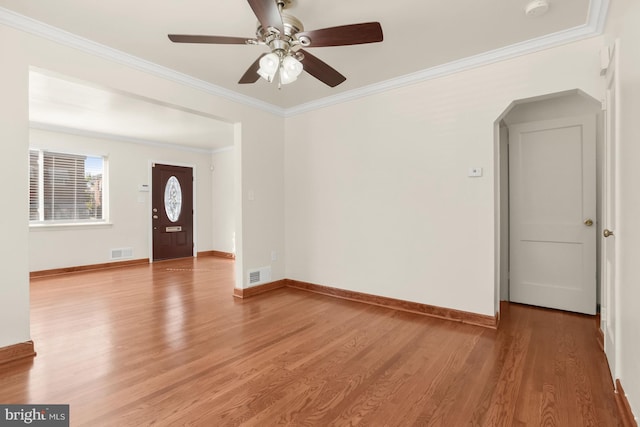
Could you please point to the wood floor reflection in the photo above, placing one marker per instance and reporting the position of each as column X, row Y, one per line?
column 167, row 344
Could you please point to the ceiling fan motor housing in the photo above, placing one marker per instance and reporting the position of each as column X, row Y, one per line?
column 283, row 43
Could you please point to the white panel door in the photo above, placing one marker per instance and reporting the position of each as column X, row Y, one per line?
column 552, row 214
column 609, row 288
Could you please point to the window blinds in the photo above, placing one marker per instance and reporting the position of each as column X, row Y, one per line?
column 62, row 189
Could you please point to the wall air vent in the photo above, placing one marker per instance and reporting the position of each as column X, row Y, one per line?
column 254, row 277
column 121, row 253
column 259, row 276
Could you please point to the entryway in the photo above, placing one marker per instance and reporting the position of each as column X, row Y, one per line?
column 550, row 162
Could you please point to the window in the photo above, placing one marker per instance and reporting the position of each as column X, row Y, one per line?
column 65, row 188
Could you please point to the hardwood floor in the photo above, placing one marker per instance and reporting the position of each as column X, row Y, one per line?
column 167, row 344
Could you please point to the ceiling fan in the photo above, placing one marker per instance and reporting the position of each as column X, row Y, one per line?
column 285, row 36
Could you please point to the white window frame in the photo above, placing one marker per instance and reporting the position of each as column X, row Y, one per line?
column 44, row 223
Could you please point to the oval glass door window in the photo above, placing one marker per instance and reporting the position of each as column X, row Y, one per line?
column 173, row 199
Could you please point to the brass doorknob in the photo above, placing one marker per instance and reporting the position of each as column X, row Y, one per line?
column 588, row 222
column 155, row 217
column 607, row 233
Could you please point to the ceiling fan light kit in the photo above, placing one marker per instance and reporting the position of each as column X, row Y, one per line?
column 288, row 66
column 285, row 37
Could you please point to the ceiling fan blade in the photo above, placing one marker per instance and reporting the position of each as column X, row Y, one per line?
column 267, row 13
column 183, row 38
column 251, row 75
column 368, row 32
column 321, row 70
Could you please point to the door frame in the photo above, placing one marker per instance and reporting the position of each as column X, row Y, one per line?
column 611, row 149
column 149, row 202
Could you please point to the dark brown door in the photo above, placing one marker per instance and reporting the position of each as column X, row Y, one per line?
column 172, row 211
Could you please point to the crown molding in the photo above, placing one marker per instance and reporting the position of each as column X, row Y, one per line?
column 102, row 135
column 597, row 15
column 593, row 27
column 223, row 149
column 29, row 25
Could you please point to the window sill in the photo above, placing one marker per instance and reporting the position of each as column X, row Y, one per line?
column 70, row 226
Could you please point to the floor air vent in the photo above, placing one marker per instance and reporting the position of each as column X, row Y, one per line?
column 121, row 253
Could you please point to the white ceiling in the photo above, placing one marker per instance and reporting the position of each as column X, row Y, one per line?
column 419, row 36
column 65, row 105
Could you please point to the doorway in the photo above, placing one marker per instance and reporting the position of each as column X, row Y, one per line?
column 550, row 201
column 172, row 211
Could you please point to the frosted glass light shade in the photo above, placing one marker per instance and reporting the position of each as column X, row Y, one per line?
column 269, row 66
column 291, row 69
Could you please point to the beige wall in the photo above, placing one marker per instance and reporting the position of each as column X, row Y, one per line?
column 223, row 220
column 377, row 194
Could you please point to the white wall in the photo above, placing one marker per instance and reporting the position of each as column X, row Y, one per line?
column 377, row 194
column 223, row 222
column 263, row 217
column 14, row 215
column 260, row 152
column 129, row 209
column 628, row 230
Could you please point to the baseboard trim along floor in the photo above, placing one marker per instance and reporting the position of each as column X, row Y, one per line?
column 15, row 352
column 396, row 304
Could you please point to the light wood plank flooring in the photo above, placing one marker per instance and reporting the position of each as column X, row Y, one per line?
column 167, row 344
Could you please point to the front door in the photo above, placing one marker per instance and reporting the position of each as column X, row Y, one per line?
column 552, row 211
column 172, row 211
